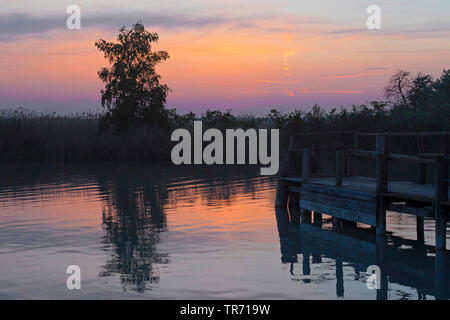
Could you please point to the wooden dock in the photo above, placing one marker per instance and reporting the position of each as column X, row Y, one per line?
column 348, row 196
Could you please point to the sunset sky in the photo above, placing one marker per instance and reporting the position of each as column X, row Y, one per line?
column 247, row 55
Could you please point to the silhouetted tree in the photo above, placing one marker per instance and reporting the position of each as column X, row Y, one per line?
column 133, row 93
column 397, row 88
column 421, row 89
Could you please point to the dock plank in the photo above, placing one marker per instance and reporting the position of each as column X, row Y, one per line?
column 396, row 189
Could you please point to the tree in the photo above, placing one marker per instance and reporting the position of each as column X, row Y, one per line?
column 420, row 91
column 133, row 93
column 396, row 90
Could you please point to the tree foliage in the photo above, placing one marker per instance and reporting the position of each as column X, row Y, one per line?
column 133, row 93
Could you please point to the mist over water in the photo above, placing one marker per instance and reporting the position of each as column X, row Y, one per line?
column 153, row 230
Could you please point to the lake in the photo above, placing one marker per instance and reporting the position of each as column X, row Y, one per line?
column 158, row 231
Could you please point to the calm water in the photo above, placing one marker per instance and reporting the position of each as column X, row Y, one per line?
column 145, row 231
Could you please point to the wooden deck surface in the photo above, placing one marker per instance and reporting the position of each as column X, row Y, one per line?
column 397, row 189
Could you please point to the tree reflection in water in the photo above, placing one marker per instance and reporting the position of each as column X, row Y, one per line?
column 133, row 218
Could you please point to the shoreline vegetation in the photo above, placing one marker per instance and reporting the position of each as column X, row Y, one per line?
column 413, row 104
column 136, row 125
column 38, row 136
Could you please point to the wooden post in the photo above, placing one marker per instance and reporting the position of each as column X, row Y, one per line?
column 381, row 247
column 306, row 163
column 282, row 195
column 421, row 174
column 339, row 277
column 382, row 183
column 349, row 224
column 291, row 163
column 440, row 194
column 420, row 229
column 294, row 199
column 305, row 216
column 441, row 275
column 339, row 167
column 421, row 178
column 306, row 265
column 318, row 219
column 353, row 163
column 356, row 140
column 337, row 223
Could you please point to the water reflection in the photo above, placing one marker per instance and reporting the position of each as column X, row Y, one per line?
column 405, row 262
column 133, row 218
column 158, row 231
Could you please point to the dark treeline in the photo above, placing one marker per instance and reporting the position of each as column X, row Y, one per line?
column 415, row 104
column 136, row 125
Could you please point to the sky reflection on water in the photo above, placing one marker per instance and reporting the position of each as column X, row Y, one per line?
column 159, row 231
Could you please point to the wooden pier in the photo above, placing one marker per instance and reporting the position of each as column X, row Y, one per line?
column 350, row 197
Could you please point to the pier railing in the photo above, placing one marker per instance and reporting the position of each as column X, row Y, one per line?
column 309, row 155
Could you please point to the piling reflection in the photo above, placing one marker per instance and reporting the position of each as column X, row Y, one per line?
column 404, row 262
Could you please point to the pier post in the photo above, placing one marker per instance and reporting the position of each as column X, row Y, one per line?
column 440, row 194
column 339, row 167
column 381, row 246
column 421, row 174
column 291, row 161
column 382, row 183
column 339, row 277
column 282, row 195
column 294, row 199
column 353, row 168
column 306, row 264
column 421, row 178
column 337, row 223
column 318, row 219
column 420, row 229
column 441, row 276
column 305, row 216
column 306, row 163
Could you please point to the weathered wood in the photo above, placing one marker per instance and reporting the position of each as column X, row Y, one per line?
column 339, row 167
column 339, row 277
column 305, row 215
column 352, row 161
column 381, row 183
column 306, row 164
column 350, row 204
column 365, row 200
column 321, row 133
column 291, row 143
column 441, row 194
column 349, row 224
column 417, row 211
column 381, row 248
column 282, row 195
column 337, row 223
column 317, row 219
column 339, row 192
column 339, row 213
column 420, row 229
column 441, row 275
column 402, row 134
column 293, row 199
column 366, row 187
column 405, row 157
column 421, row 173
column 367, row 154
